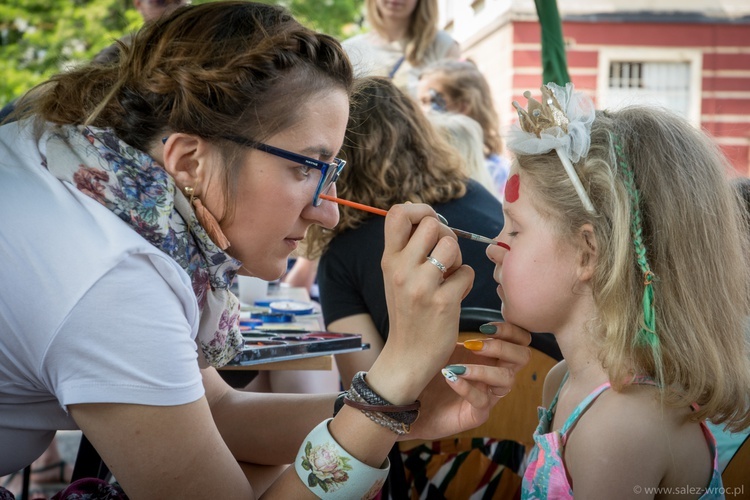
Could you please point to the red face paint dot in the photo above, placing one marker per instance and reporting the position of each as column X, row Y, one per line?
column 511, row 188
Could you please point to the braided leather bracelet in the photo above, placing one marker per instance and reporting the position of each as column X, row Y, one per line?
column 406, row 414
column 383, row 419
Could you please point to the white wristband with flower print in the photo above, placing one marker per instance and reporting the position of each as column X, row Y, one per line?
column 332, row 473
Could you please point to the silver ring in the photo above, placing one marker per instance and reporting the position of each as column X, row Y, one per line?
column 436, row 263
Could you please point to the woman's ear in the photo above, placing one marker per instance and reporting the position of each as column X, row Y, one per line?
column 589, row 255
column 184, row 158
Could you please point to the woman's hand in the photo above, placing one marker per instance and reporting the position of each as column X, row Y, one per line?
column 452, row 407
column 424, row 303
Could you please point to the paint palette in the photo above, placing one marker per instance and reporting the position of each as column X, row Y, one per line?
column 280, row 344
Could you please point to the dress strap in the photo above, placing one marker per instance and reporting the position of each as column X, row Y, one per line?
column 581, row 408
column 589, row 400
column 553, row 404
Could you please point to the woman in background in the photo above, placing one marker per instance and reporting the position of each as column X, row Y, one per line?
column 403, row 38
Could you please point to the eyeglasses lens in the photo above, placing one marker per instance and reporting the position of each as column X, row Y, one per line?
column 331, row 175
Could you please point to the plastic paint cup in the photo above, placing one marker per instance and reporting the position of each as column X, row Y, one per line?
column 251, row 289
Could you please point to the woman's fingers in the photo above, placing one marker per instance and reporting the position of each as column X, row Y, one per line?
column 480, row 384
column 400, row 222
column 415, row 224
column 506, row 351
column 511, row 347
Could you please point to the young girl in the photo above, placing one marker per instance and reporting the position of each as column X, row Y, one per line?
column 459, row 87
column 627, row 242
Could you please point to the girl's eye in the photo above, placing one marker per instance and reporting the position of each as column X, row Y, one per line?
column 512, row 234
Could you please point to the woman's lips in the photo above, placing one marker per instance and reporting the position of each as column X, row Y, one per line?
column 292, row 242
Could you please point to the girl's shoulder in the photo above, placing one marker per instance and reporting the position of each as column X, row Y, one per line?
column 640, row 438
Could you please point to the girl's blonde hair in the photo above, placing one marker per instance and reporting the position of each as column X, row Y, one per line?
column 465, row 134
column 467, row 87
column 422, row 27
column 696, row 236
column 393, row 155
column 212, row 70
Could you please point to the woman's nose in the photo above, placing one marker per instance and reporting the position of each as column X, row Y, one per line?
column 327, row 213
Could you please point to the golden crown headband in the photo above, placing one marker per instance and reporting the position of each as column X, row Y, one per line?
column 561, row 122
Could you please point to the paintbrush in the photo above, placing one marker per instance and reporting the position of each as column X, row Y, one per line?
column 380, row 211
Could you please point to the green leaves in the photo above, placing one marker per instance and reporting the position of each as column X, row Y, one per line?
column 39, row 38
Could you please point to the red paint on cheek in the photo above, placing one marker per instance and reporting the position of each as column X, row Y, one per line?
column 511, row 188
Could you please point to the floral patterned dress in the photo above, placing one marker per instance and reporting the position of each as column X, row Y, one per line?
column 546, row 477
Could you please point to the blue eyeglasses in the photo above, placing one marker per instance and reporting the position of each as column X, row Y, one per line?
column 329, row 172
column 437, row 101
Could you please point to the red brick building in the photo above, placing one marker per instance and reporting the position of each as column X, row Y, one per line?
column 691, row 62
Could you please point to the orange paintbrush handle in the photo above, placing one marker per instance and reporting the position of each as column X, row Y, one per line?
column 354, row 204
column 380, row 211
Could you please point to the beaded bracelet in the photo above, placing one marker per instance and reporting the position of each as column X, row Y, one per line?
column 330, row 472
column 383, row 419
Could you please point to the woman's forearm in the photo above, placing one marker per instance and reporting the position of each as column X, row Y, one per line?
column 251, row 422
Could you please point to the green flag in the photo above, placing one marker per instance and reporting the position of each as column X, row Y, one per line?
column 554, row 63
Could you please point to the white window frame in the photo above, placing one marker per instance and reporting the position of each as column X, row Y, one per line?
column 693, row 57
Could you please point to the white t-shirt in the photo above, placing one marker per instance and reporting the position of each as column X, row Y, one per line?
column 372, row 55
column 90, row 312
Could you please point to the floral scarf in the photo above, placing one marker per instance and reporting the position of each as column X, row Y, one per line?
column 140, row 192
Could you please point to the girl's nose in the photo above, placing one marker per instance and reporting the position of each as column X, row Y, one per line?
column 496, row 253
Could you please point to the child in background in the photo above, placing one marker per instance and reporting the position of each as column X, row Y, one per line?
column 628, row 243
column 459, row 87
column 465, row 134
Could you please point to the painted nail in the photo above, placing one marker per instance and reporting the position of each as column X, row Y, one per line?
column 488, row 329
column 474, row 345
column 457, row 369
column 449, row 375
column 442, row 219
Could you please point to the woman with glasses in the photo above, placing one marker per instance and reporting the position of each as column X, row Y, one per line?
column 133, row 194
column 459, row 87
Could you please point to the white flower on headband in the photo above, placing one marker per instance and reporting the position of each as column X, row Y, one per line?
column 561, row 122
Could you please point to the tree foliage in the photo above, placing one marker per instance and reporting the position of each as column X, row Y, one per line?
column 41, row 37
